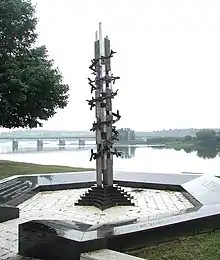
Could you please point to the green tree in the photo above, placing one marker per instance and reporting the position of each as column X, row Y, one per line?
column 187, row 138
column 206, row 134
column 31, row 88
column 206, row 137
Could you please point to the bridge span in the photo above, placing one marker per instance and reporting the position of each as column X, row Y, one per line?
column 48, row 138
column 40, row 140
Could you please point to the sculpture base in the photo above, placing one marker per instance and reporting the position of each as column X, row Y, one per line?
column 104, row 197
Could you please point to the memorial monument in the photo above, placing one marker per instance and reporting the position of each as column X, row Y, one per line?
column 45, row 222
column 104, row 194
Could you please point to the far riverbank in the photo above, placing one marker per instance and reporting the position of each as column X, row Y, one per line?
column 204, row 140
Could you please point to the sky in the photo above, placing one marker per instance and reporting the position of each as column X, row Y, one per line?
column 168, row 58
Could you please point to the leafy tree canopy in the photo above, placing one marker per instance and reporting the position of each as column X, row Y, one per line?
column 31, row 88
column 206, row 134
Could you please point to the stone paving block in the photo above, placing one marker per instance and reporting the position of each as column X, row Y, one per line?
column 168, row 202
column 3, row 251
column 160, row 203
column 180, row 206
column 141, row 202
column 151, row 204
column 106, row 254
column 187, row 204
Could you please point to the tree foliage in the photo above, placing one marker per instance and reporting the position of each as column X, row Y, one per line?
column 206, row 134
column 31, row 88
column 126, row 134
column 207, row 137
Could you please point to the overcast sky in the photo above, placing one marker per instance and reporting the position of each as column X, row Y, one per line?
column 168, row 59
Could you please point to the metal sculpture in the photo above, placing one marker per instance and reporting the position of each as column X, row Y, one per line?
column 104, row 194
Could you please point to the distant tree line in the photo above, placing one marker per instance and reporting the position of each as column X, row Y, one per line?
column 205, row 137
column 178, row 133
column 206, row 143
column 126, row 134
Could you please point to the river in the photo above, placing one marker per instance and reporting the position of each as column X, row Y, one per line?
column 134, row 158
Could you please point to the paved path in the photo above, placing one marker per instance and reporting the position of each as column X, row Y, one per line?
column 151, row 204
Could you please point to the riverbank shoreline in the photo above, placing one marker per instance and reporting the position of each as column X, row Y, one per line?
column 11, row 168
column 173, row 144
column 203, row 139
column 180, row 145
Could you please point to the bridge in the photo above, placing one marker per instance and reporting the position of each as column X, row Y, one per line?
column 47, row 137
column 40, row 140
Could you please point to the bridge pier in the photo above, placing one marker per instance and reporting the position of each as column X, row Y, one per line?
column 81, row 142
column 40, row 145
column 62, row 142
column 14, row 145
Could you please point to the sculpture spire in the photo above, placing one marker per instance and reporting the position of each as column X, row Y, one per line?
column 103, row 127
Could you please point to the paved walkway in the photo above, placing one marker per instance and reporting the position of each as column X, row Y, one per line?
column 151, row 204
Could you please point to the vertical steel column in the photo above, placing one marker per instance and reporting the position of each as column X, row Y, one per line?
column 109, row 172
column 103, row 103
column 98, row 113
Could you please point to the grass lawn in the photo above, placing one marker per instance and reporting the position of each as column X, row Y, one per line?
column 200, row 247
column 10, row 168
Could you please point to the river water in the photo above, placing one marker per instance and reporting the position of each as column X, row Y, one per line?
column 134, row 158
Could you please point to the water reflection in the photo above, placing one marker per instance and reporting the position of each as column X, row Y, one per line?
column 205, row 152
column 31, row 180
column 48, row 177
column 16, row 187
column 188, row 150
column 127, row 151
